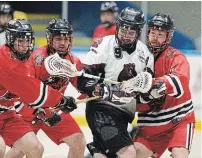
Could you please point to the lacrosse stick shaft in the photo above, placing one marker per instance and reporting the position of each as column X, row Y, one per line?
column 82, row 101
column 87, row 99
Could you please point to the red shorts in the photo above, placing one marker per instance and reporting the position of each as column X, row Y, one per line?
column 66, row 127
column 179, row 137
column 13, row 128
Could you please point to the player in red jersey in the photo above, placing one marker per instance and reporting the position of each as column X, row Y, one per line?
column 59, row 37
column 15, row 82
column 108, row 14
column 169, row 124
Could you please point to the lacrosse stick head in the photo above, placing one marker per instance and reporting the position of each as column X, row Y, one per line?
column 57, row 66
column 141, row 83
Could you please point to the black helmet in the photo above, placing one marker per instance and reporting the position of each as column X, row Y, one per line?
column 109, row 7
column 19, row 29
column 161, row 22
column 5, row 10
column 132, row 19
column 59, row 27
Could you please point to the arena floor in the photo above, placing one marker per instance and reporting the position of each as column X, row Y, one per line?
column 54, row 151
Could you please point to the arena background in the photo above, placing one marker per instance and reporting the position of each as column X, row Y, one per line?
column 84, row 17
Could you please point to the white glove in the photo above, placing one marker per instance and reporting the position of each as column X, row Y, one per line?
column 158, row 90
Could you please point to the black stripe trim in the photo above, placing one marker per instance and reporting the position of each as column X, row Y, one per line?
column 176, row 85
column 18, row 105
column 164, row 113
column 3, row 109
column 189, row 137
column 42, row 97
column 164, row 120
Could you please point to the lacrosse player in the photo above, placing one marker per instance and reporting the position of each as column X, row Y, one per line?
column 170, row 121
column 108, row 15
column 16, row 82
column 59, row 38
column 6, row 14
column 118, row 57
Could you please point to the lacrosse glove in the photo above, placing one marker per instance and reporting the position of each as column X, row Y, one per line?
column 67, row 104
column 40, row 114
column 155, row 98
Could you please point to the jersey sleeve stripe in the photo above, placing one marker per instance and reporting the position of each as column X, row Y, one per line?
column 176, row 84
column 42, row 96
column 19, row 106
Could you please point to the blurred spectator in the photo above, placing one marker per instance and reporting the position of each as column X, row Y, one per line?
column 108, row 14
column 6, row 14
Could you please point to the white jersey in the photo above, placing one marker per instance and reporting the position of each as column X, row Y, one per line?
column 2, row 38
column 117, row 64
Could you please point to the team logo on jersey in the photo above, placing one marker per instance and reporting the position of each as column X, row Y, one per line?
column 141, row 55
column 97, row 42
column 127, row 73
column 118, row 53
column 169, row 53
column 38, row 59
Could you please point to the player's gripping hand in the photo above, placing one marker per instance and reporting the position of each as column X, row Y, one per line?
column 157, row 91
column 103, row 90
column 40, row 114
column 67, row 104
column 155, row 98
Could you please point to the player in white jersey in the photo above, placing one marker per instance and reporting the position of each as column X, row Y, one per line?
column 117, row 57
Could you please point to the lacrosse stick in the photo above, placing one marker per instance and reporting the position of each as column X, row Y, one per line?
column 61, row 67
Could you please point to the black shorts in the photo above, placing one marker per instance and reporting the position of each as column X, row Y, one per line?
column 108, row 126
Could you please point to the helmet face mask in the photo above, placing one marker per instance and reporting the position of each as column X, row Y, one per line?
column 22, row 44
column 160, row 33
column 129, row 25
column 20, row 38
column 59, row 37
column 126, row 36
column 62, row 43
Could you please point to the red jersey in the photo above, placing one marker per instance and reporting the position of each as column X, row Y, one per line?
column 101, row 31
column 173, row 68
column 37, row 70
column 16, row 81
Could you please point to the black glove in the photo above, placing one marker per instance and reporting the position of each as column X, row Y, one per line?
column 52, row 121
column 67, row 104
column 103, row 90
